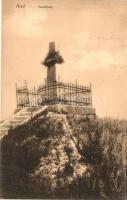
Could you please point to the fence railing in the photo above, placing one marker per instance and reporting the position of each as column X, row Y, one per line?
column 54, row 92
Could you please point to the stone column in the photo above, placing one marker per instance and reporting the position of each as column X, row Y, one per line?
column 51, row 74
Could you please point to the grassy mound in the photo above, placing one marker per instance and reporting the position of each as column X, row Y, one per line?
column 65, row 156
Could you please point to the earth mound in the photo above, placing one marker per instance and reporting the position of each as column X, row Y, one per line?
column 65, row 156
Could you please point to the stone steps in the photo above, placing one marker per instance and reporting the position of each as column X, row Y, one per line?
column 19, row 118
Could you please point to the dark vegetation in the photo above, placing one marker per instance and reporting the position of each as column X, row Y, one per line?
column 52, row 58
column 101, row 144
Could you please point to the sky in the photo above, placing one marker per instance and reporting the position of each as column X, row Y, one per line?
column 91, row 35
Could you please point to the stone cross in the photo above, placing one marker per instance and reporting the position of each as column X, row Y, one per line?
column 53, row 57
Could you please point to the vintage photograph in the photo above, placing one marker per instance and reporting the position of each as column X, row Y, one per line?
column 63, row 119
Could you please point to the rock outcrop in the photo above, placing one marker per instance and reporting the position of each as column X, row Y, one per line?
column 64, row 156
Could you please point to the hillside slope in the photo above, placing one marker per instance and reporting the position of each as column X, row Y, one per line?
column 65, row 156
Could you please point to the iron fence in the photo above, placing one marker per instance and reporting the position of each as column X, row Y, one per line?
column 54, row 92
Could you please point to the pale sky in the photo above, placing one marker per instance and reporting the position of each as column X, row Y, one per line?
column 91, row 35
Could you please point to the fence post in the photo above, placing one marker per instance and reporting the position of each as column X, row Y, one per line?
column 16, row 95
column 27, row 94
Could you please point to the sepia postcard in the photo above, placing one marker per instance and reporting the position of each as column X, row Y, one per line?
column 63, row 119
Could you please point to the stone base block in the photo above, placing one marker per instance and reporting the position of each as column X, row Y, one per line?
column 69, row 109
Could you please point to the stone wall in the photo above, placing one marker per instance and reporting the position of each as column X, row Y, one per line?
column 68, row 109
